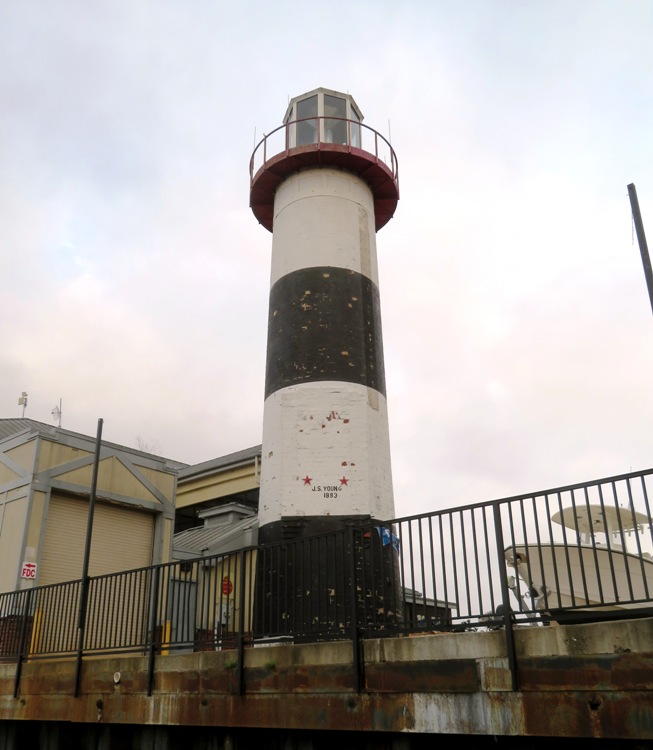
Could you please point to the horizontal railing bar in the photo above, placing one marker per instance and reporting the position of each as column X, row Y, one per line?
column 267, row 156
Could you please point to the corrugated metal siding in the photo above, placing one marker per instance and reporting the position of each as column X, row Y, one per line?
column 122, row 539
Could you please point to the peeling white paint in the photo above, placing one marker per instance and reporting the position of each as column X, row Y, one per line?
column 326, row 447
column 307, row 442
column 324, row 217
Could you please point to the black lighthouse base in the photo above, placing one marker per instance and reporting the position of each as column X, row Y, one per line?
column 320, row 578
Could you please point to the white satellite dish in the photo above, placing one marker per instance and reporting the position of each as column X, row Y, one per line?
column 56, row 414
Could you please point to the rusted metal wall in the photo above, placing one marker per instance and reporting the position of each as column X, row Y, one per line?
column 582, row 681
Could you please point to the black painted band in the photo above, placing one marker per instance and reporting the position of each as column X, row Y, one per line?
column 324, row 324
column 300, row 527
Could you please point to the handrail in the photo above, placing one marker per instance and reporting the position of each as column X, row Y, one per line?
column 382, row 151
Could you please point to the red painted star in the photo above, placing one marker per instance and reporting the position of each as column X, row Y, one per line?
column 344, row 480
column 307, row 479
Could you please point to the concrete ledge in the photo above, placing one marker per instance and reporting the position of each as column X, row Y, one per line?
column 574, row 681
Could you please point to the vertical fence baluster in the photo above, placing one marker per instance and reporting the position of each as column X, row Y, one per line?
column 21, row 645
column 154, row 606
column 358, row 666
column 505, row 595
column 241, row 624
column 81, row 631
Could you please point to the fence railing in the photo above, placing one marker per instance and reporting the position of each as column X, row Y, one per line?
column 330, row 131
column 574, row 553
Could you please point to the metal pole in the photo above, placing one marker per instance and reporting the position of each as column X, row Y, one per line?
column 240, row 690
column 22, row 645
column 151, row 629
column 358, row 662
column 89, row 524
column 511, row 650
column 87, row 554
column 641, row 238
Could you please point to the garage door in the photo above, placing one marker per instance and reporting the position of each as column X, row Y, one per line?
column 121, row 540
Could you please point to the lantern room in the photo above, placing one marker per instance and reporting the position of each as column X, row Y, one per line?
column 323, row 129
column 323, row 116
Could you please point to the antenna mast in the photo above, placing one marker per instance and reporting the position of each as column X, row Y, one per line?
column 641, row 238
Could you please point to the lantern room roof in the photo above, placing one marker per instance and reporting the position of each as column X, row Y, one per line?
column 317, row 92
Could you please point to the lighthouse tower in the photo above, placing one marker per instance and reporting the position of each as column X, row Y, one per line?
column 323, row 183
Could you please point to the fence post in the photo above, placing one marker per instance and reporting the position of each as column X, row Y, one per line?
column 355, row 635
column 240, row 688
column 81, row 631
column 21, row 643
column 505, row 595
column 151, row 628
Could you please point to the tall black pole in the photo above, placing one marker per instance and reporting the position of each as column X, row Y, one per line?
column 641, row 238
column 83, row 600
column 91, row 503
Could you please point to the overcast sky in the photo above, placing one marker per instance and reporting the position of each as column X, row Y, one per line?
column 517, row 326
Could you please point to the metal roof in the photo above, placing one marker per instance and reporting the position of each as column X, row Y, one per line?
column 213, row 540
column 223, row 462
column 12, row 427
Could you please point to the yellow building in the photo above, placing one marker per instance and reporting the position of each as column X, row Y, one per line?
column 202, row 518
column 46, row 477
column 217, row 505
column 217, row 515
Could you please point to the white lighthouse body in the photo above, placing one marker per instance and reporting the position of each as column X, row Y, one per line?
column 326, row 450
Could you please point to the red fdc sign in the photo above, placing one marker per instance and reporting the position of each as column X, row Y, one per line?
column 28, row 570
column 227, row 586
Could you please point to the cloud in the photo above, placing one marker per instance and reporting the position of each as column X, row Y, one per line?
column 517, row 327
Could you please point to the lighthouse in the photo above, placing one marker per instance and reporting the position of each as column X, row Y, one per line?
column 323, row 183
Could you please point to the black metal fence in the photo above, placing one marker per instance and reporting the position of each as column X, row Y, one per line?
column 574, row 553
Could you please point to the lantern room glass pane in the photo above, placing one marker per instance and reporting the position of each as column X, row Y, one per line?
column 335, row 131
column 307, row 129
column 354, row 129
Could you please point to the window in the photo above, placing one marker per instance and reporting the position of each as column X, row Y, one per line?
column 307, row 130
column 324, row 118
column 335, row 131
column 354, row 129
